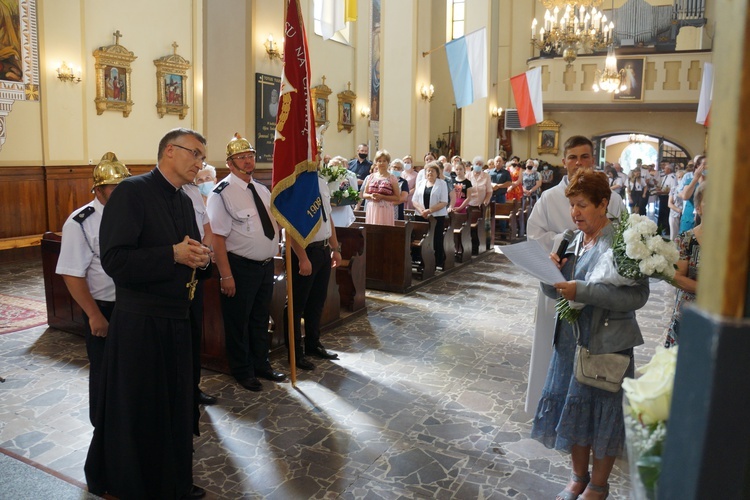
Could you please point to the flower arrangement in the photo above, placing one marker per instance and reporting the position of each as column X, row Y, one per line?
column 339, row 183
column 637, row 252
column 345, row 196
column 646, row 407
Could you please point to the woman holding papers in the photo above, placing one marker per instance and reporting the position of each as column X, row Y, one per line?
column 570, row 416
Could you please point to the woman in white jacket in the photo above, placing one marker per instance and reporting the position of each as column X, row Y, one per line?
column 431, row 199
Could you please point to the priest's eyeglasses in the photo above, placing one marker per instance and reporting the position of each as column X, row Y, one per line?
column 196, row 154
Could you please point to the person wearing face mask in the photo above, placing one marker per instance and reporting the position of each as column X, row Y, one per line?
column 410, row 175
column 481, row 184
column 361, row 165
column 396, row 169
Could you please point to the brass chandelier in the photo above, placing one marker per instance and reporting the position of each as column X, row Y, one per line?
column 610, row 80
column 580, row 28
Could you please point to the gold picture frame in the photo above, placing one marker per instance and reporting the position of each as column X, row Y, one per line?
column 171, row 77
column 113, row 92
column 320, row 95
column 346, row 99
column 549, row 137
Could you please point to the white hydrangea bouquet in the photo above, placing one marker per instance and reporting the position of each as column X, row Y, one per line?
column 646, row 406
column 339, row 181
column 637, row 251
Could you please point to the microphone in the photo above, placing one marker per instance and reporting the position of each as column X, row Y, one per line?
column 566, row 239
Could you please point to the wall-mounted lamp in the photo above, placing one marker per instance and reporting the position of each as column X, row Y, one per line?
column 496, row 112
column 427, row 92
column 365, row 112
column 65, row 74
column 272, row 48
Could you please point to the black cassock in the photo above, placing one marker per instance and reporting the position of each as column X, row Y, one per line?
column 142, row 443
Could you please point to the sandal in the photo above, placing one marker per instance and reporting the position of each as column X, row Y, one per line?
column 599, row 489
column 569, row 495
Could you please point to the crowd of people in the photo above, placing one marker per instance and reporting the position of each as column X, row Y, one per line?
column 137, row 268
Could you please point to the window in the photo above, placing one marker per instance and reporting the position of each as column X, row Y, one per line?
column 456, row 18
column 341, row 36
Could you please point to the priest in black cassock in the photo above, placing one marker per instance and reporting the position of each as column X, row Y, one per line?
column 150, row 246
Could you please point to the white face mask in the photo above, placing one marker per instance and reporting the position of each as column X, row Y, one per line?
column 407, row 166
column 396, row 173
column 206, row 187
column 477, row 168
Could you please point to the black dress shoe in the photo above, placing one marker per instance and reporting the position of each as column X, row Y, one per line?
column 205, row 399
column 304, row 363
column 251, row 384
column 270, row 375
column 195, row 492
column 321, row 352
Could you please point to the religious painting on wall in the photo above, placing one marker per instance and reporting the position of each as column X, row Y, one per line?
column 267, row 88
column 375, row 62
column 19, row 56
column 114, row 83
column 549, row 137
column 633, row 79
column 171, row 88
column 320, row 95
column 346, row 99
column 113, row 77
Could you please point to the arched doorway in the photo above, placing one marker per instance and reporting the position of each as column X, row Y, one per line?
column 626, row 147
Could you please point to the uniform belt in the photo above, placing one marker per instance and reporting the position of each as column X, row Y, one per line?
column 104, row 303
column 251, row 261
column 318, row 244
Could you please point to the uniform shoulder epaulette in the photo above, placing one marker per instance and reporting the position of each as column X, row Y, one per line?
column 221, row 186
column 83, row 214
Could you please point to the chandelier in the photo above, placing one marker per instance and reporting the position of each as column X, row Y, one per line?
column 610, row 80
column 637, row 138
column 581, row 27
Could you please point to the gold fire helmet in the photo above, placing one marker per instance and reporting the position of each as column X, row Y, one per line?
column 237, row 145
column 110, row 170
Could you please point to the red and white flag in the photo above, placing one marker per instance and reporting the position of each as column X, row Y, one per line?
column 706, row 96
column 527, row 90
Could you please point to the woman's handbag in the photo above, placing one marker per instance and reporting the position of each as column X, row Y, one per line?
column 603, row 371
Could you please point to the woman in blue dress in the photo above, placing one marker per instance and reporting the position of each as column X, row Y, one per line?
column 572, row 417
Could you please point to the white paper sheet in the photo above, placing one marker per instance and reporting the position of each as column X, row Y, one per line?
column 532, row 258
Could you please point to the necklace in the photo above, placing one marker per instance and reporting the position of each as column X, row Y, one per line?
column 590, row 244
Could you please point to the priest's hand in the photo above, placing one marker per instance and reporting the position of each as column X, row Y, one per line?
column 191, row 253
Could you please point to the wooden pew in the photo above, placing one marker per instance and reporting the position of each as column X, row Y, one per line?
column 422, row 244
column 462, row 237
column 478, row 232
column 63, row 312
column 449, row 243
column 508, row 213
column 351, row 274
column 388, row 256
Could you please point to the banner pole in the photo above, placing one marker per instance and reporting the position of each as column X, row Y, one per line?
column 290, row 314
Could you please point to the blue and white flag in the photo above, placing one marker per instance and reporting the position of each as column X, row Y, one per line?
column 467, row 62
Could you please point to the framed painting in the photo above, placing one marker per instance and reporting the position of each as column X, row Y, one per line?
column 113, row 78
column 633, row 68
column 19, row 56
column 346, row 109
column 320, row 95
column 171, row 77
column 549, row 137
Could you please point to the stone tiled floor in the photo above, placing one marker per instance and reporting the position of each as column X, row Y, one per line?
column 425, row 402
